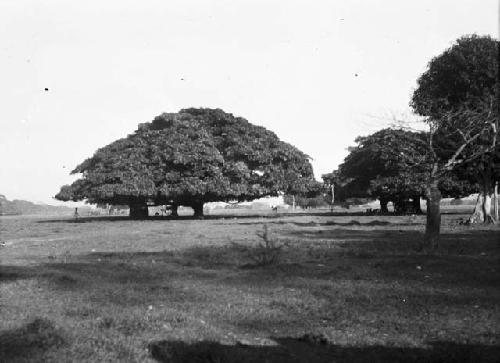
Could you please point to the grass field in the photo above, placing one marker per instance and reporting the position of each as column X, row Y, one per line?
column 344, row 289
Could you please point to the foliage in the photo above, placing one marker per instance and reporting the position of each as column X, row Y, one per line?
column 458, row 95
column 382, row 165
column 309, row 195
column 338, row 182
column 463, row 77
column 189, row 158
column 392, row 165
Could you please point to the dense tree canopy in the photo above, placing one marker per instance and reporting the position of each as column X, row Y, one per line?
column 379, row 166
column 391, row 165
column 190, row 158
column 459, row 95
column 463, row 78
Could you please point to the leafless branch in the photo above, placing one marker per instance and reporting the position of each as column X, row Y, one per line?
column 453, row 160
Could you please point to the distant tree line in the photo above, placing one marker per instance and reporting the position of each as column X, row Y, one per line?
column 24, row 207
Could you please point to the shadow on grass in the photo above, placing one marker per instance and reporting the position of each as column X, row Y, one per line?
column 465, row 259
column 169, row 218
column 121, row 279
column 395, row 240
column 332, row 223
column 12, row 273
column 30, row 342
column 343, row 255
column 296, row 350
column 249, row 215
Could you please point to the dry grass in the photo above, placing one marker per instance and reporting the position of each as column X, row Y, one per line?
column 110, row 289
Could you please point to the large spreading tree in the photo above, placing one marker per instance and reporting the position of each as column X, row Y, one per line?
column 391, row 165
column 459, row 96
column 190, row 158
column 378, row 167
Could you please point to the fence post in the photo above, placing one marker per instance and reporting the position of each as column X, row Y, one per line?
column 333, row 197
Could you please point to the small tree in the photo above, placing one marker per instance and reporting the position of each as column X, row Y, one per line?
column 305, row 202
column 304, row 193
column 459, row 96
column 331, row 183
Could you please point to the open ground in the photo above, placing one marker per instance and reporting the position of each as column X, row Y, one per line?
column 345, row 288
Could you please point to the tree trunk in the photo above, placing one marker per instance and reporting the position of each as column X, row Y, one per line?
column 198, row 209
column 138, row 210
column 477, row 215
column 173, row 210
column 495, row 201
column 399, row 206
column 482, row 210
column 488, row 189
column 488, row 218
column 383, row 205
column 433, row 223
column 417, row 209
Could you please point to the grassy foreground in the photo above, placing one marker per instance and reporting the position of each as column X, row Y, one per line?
column 345, row 289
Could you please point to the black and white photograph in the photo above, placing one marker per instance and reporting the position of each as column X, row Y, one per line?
column 250, row 181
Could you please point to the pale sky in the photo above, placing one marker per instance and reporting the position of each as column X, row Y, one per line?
column 317, row 73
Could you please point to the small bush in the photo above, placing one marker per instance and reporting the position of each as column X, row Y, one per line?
column 267, row 252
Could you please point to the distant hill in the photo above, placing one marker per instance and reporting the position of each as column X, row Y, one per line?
column 23, row 207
